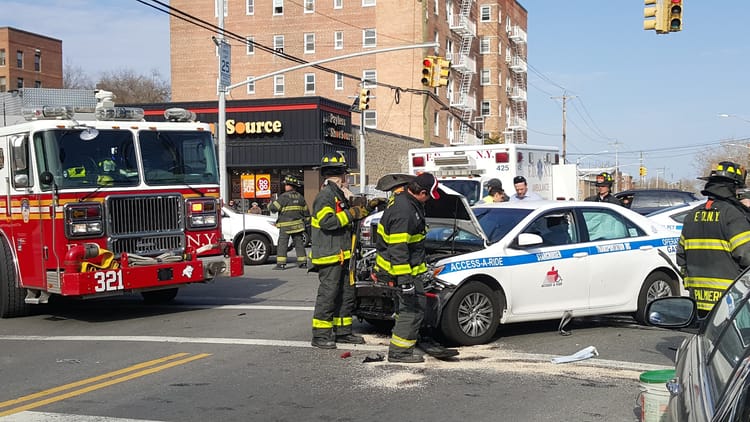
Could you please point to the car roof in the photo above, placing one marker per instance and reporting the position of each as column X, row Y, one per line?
column 676, row 208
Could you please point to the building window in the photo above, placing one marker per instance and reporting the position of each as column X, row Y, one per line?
column 370, row 118
column 250, row 86
column 338, row 81
column 309, row 6
column 508, row 26
column 278, row 85
column 250, row 7
column 500, row 78
column 484, row 45
column 38, row 61
column 484, row 13
column 338, row 40
column 3, row 84
column 250, row 41
column 370, row 76
column 436, row 124
column 338, row 4
column 484, row 78
column 309, row 43
column 2, row 57
column 500, row 47
column 37, row 84
column 19, row 59
column 369, row 37
column 278, row 7
column 19, row 83
column 485, row 109
column 216, row 8
column 309, row 83
column 499, row 14
column 278, row 43
column 449, row 128
column 368, row 3
column 437, row 8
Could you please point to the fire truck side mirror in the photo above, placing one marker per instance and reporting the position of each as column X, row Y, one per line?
column 19, row 152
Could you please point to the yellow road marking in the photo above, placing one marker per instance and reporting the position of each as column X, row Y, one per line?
column 150, row 370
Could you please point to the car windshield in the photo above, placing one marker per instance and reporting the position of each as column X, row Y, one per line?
column 497, row 222
column 727, row 334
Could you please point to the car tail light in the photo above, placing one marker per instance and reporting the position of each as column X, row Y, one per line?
column 202, row 213
column 84, row 219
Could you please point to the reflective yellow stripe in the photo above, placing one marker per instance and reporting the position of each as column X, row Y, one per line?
column 740, row 239
column 343, row 217
column 402, row 342
column 706, row 244
column 315, row 220
column 342, row 322
column 399, row 237
column 293, row 208
column 331, row 259
column 704, row 306
column 708, row 282
column 401, row 269
column 319, row 323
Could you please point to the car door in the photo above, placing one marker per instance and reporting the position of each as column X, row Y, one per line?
column 554, row 276
column 617, row 249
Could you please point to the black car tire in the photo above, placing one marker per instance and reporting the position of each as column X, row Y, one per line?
column 657, row 284
column 255, row 249
column 472, row 315
column 155, row 297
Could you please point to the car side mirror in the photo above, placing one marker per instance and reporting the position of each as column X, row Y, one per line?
column 527, row 239
column 671, row 312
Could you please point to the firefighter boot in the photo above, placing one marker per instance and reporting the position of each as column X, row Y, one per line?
column 323, row 343
column 405, row 357
column 302, row 265
column 280, row 267
column 435, row 349
column 350, row 339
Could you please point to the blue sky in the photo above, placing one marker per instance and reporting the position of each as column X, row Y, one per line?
column 655, row 94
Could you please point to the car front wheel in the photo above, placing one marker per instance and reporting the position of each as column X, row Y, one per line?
column 472, row 315
column 255, row 249
column 657, row 284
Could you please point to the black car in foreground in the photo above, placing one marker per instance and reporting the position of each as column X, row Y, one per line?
column 712, row 370
column 645, row 201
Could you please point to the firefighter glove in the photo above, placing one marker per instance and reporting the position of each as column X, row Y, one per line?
column 358, row 212
column 374, row 203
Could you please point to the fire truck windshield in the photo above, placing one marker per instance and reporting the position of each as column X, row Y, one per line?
column 111, row 158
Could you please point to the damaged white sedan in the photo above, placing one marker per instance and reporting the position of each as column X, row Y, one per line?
column 529, row 261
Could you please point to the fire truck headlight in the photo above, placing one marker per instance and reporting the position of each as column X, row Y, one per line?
column 84, row 220
column 88, row 228
column 205, row 220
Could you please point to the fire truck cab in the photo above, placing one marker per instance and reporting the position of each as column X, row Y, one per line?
column 101, row 207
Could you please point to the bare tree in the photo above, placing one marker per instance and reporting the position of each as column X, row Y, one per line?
column 131, row 88
column 74, row 77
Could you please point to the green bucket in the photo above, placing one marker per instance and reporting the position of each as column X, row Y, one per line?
column 654, row 396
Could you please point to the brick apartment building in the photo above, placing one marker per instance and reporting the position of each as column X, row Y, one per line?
column 29, row 60
column 485, row 41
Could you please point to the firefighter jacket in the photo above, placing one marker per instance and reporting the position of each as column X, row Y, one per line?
column 607, row 198
column 293, row 212
column 714, row 246
column 400, row 238
column 331, row 226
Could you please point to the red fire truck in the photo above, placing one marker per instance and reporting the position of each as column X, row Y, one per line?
column 101, row 207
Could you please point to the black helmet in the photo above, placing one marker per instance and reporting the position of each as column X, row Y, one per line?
column 727, row 171
column 494, row 183
column 333, row 163
column 292, row 181
column 604, row 179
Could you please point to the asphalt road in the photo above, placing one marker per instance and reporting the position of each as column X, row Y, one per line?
column 238, row 350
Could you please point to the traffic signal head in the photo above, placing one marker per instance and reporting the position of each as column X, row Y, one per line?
column 674, row 15
column 428, row 71
column 364, row 99
column 655, row 16
column 444, row 71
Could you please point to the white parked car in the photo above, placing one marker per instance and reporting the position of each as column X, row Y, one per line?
column 254, row 237
column 672, row 217
column 528, row 261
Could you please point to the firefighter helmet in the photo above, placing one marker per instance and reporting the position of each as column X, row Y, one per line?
column 333, row 163
column 604, row 179
column 727, row 171
column 292, row 181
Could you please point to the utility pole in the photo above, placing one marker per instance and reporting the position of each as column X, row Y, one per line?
column 640, row 171
column 617, row 165
column 564, row 98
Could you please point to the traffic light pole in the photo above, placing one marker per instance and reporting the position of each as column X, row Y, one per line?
column 223, row 90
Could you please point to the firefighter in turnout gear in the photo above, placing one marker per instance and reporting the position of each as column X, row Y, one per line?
column 400, row 261
column 333, row 219
column 714, row 246
column 603, row 184
column 293, row 215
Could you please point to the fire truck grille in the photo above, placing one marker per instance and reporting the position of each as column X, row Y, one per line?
column 147, row 225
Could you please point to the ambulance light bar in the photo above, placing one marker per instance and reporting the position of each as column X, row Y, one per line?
column 48, row 113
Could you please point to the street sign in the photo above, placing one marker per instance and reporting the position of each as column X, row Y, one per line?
column 225, row 65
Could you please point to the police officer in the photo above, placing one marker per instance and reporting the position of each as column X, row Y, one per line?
column 333, row 219
column 714, row 246
column 604, row 190
column 293, row 214
column 400, row 260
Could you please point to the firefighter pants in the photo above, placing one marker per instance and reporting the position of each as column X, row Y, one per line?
column 334, row 304
column 299, row 247
column 409, row 318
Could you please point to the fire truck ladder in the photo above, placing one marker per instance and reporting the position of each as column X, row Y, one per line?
column 466, row 30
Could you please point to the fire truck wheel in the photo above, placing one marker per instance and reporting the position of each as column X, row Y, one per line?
column 255, row 249
column 159, row 296
column 12, row 299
